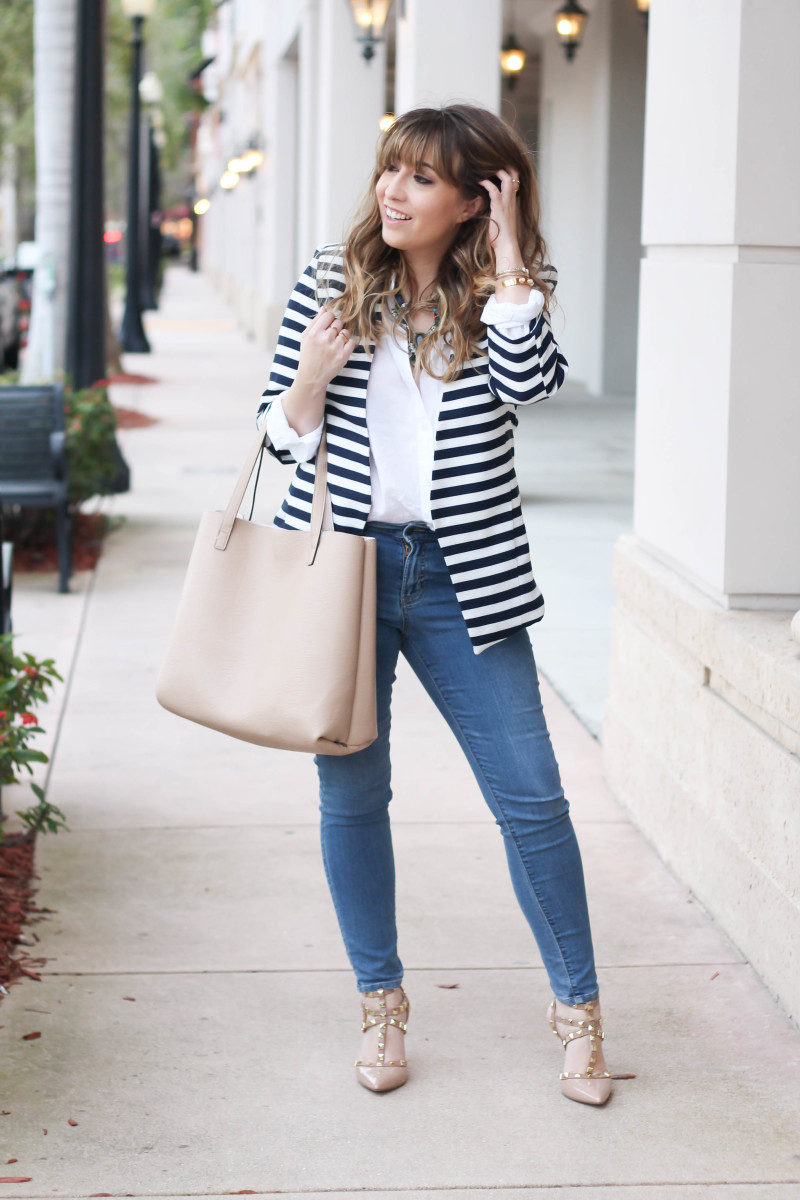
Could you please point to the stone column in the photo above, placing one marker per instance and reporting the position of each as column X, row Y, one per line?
column 350, row 96
column 448, row 51
column 718, row 403
column 701, row 730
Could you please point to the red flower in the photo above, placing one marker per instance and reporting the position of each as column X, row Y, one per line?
column 31, row 671
column 29, row 719
column 2, row 716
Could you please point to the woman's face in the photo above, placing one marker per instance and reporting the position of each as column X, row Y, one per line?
column 420, row 211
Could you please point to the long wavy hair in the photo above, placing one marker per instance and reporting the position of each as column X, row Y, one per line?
column 464, row 144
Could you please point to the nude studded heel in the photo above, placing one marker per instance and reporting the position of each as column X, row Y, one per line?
column 591, row 1086
column 383, row 1074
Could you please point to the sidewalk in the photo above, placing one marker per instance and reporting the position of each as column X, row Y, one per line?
column 199, row 1017
column 575, row 467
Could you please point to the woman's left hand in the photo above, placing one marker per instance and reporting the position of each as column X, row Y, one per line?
column 503, row 224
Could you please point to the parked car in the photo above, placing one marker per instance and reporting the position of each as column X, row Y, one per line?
column 15, row 314
column 9, row 319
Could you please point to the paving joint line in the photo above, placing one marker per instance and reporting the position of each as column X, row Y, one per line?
column 432, row 1190
column 71, row 674
column 344, row 970
column 489, row 823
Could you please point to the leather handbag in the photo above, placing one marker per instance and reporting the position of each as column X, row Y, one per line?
column 274, row 638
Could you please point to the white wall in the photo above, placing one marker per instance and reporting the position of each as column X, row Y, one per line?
column 573, row 176
column 448, row 51
column 591, row 180
column 293, row 75
column 350, row 102
column 623, row 245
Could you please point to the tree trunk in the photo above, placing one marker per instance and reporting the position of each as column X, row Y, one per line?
column 9, row 232
column 54, row 75
column 113, row 348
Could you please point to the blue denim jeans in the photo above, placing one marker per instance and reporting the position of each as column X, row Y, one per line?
column 492, row 703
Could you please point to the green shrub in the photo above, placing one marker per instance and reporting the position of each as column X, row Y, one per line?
column 91, row 426
column 24, row 682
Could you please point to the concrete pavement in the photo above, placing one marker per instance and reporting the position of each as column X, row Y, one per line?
column 199, row 1018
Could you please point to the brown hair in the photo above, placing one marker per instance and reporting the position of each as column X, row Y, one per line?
column 464, row 144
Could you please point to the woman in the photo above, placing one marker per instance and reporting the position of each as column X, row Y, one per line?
column 415, row 341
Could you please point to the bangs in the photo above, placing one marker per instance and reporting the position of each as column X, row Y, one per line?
column 422, row 140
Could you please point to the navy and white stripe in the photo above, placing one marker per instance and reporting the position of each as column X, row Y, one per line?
column 475, row 498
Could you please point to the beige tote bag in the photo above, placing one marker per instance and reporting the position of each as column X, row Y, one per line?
column 274, row 639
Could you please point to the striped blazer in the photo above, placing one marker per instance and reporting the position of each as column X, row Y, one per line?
column 475, row 498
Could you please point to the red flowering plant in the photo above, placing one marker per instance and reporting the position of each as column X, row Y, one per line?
column 24, row 683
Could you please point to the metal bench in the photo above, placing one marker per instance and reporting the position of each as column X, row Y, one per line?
column 33, row 463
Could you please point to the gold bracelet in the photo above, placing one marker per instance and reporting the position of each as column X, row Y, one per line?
column 515, row 271
column 517, row 279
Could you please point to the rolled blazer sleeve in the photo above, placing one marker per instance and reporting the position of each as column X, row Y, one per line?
column 300, row 312
column 525, row 364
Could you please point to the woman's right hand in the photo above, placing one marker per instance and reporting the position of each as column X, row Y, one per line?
column 325, row 347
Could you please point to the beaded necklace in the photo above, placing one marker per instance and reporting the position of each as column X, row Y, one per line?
column 399, row 309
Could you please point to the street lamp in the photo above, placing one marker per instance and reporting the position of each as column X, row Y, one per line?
column 370, row 18
column 132, row 335
column 570, row 20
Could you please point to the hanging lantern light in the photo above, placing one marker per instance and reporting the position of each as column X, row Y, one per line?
column 512, row 59
column 370, row 18
column 570, row 20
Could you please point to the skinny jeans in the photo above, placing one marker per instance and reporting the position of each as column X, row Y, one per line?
column 492, row 703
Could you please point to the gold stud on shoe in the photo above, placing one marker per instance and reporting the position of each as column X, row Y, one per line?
column 591, row 1086
column 383, row 1075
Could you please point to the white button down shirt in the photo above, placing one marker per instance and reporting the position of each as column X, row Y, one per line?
column 401, row 420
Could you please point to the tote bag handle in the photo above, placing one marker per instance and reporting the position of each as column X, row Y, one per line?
column 317, row 506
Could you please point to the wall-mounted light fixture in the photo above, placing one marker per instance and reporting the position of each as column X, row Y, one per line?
column 644, row 8
column 386, row 122
column 570, row 20
column 243, row 164
column 512, row 59
column 370, row 18
column 202, row 206
column 228, row 180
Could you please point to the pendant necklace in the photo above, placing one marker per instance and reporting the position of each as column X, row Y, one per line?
column 399, row 309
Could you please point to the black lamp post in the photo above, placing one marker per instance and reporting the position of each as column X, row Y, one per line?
column 86, row 280
column 132, row 335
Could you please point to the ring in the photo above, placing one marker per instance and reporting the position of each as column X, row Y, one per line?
column 343, row 333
